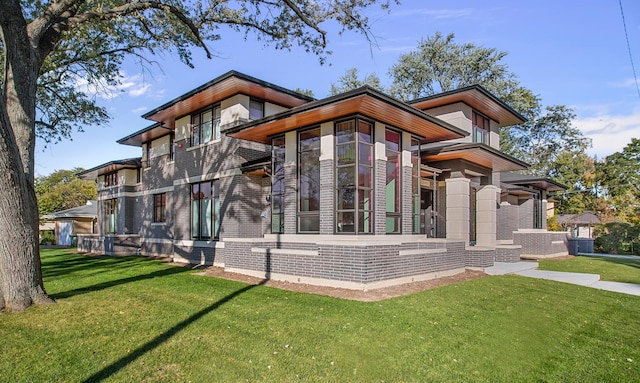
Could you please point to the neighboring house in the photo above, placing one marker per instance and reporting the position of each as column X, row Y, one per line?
column 74, row 221
column 355, row 190
column 579, row 225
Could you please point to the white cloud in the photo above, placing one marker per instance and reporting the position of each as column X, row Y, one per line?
column 139, row 110
column 609, row 133
column 134, row 86
column 435, row 13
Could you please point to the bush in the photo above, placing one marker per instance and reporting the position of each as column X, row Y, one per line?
column 617, row 238
column 47, row 238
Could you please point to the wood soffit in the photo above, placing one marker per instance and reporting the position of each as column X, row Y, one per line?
column 217, row 92
column 477, row 100
column 475, row 154
column 363, row 104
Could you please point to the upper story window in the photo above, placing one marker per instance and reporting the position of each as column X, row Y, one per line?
column 480, row 128
column 149, row 153
column 205, row 126
column 111, row 179
column 256, row 109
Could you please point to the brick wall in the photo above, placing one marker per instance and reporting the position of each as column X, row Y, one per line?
column 540, row 242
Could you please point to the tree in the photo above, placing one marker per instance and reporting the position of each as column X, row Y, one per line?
column 440, row 65
column 63, row 190
column 47, row 47
column 350, row 80
column 619, row 179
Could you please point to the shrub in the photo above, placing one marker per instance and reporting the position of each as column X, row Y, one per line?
column 47, row 237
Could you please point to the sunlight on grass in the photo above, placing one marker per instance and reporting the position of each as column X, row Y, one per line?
column 133, row 319
column 610, row 269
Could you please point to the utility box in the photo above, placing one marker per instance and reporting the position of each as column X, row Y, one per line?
column 580, row 245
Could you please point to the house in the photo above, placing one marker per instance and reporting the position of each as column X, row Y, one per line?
column 579, row 225
column 71, row 222
column 356, row 190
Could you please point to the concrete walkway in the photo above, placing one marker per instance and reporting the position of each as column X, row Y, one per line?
column 530, row 269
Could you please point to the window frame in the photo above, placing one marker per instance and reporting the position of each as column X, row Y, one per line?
column 159, row 208
column 416, row 192
column 111, row 179
column 482, row 131
column 308, row 214
column 197, row 135
column 255, row 101
column 214, row 224
column 396, row 214
column 278, row 149
column 111, row 215
column 363, row 218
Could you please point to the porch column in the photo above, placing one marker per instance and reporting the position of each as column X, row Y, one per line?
column 486, row 202
column 327, row 175
column 380, row 180
column 290, row 182
column 457, row 202
column 543, row 213
column 407, row 180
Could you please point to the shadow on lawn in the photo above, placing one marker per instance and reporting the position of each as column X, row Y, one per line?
column 158, row 340
column 117, row 282
column 123, row 362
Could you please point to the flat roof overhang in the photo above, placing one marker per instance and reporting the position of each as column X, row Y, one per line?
column 476, row 97
column 112, row 166
column 364, row 101
column 220, row 88
column 475, row 153
column 528, row 180
column 145, row 135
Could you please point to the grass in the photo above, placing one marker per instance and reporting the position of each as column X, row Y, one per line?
column 135, row 319
column 610, row 269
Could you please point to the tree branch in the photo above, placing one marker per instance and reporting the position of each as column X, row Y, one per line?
column 307, row 21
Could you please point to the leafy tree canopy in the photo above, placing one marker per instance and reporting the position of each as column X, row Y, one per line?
column 351, row 80
column 63, row 190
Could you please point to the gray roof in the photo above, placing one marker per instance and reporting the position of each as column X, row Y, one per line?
column 89, row 210
column 586, row 218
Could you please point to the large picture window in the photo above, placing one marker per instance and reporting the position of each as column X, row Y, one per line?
column 110, row 209
column 159, row 207
column 205, row 126
column 205, row 210
column 392, row 186
column 354, row 177
column 481, row 128
column 277, row 185
column 309, row 181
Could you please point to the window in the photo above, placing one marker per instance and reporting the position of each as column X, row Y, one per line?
column 111, row 179
column 159, row 207
column 277, row 185
column 354, row 177
column 205, row 126
column 205, row 210
column 110, row 208
column 415, row 186
column 149, row 154
column 309, row 181
column 256, row 109
column 393, row 191
column 172, row 146
column 480, row 128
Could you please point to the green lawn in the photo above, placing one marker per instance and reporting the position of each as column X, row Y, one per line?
column 610, row 269
column 139, row 320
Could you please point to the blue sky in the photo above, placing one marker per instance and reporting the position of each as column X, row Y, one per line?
column 567, row 52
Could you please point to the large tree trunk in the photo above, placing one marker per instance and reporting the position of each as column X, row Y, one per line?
column 20, row 270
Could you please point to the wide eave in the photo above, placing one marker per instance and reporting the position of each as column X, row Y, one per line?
column 220, row 88
column 475, row 153
column 109, row 167
column 365, row 101
column 476, row 97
